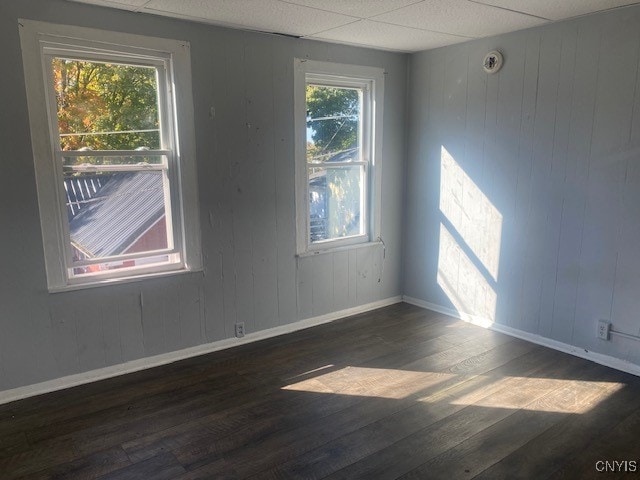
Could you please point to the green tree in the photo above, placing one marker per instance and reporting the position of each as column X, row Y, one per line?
column 333, row 117
column 94, row 99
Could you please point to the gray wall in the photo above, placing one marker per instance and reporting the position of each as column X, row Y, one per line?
column 553, row 143
column 246, row 182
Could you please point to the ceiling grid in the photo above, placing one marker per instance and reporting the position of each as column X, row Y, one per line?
column 397, row 25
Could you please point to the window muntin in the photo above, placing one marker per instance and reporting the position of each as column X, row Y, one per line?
column 152, row 151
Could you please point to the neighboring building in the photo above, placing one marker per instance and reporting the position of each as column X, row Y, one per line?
column 116, row 214
column 329, row 211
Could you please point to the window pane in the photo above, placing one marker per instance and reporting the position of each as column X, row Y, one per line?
column 333, row 124
column 335, row 202
column 116, row 213
column 104, row 106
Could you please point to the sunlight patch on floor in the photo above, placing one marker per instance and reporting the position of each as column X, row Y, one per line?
column 509, row 392
column 315, row 370
column 544, row 395
column 371, row 382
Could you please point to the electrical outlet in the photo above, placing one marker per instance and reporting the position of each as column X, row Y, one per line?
column 604, row 328
column 240, row 329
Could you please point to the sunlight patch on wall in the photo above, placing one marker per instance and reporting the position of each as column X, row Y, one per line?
column 466, row 287
column 470, row 212
column 470, row 236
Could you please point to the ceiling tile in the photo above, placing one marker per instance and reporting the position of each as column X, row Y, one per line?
column 355, row 8
column 263, row 15
column 386, row 36
column 557, row 10
column 459, row 17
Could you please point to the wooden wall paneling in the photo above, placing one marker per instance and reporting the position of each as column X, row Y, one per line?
column 544, row 127
column 414, row 221
column 607, row 170
column 454, row 99
column 229, row 118
column 479, row 297
column 304, row 283
column 284, row 168
column 524, row 190
column 172, row 313
column 582, row 108
column 364, row 274
column 625, row 299
column 487, row 181
column 260, row 105
column 428, row 252
column 17, row 347
column 41, row 340
column 108, row 311
column 453, row 119
column 509, row 118
column 64, row 336
column 89, row 331
column 626, row 302
column 155, row 327
column 322, row 295
column 130, row 324
column 340, row 280
column 192, row 328
column 353, row 277
column 241, row 179
column 475, row 112
column 215, row 210
column 556, row 184
column 393, row 184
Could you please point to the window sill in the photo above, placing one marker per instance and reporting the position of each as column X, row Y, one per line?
column 344, row 248
column 119, row 281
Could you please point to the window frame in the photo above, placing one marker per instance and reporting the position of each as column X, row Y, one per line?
column 371, row 81
column 43, row 41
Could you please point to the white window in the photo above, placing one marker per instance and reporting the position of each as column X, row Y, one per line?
column 112, row 130
column 338, row 151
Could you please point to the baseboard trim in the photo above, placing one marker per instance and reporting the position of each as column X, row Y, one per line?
column 606, row 360
column 166, row 358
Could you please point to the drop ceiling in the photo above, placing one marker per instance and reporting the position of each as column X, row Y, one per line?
column 400, row 25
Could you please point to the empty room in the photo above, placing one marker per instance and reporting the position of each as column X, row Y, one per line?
column 309, row 239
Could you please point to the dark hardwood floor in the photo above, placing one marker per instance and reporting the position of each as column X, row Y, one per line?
column 396, row 393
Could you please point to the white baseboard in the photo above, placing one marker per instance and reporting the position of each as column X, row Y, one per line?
column 606, row 360
column 165, row 358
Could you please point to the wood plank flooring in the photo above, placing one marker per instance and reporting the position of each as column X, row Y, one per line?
column 400, row 392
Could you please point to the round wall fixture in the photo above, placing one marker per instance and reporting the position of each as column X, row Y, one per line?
column 492, row 62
